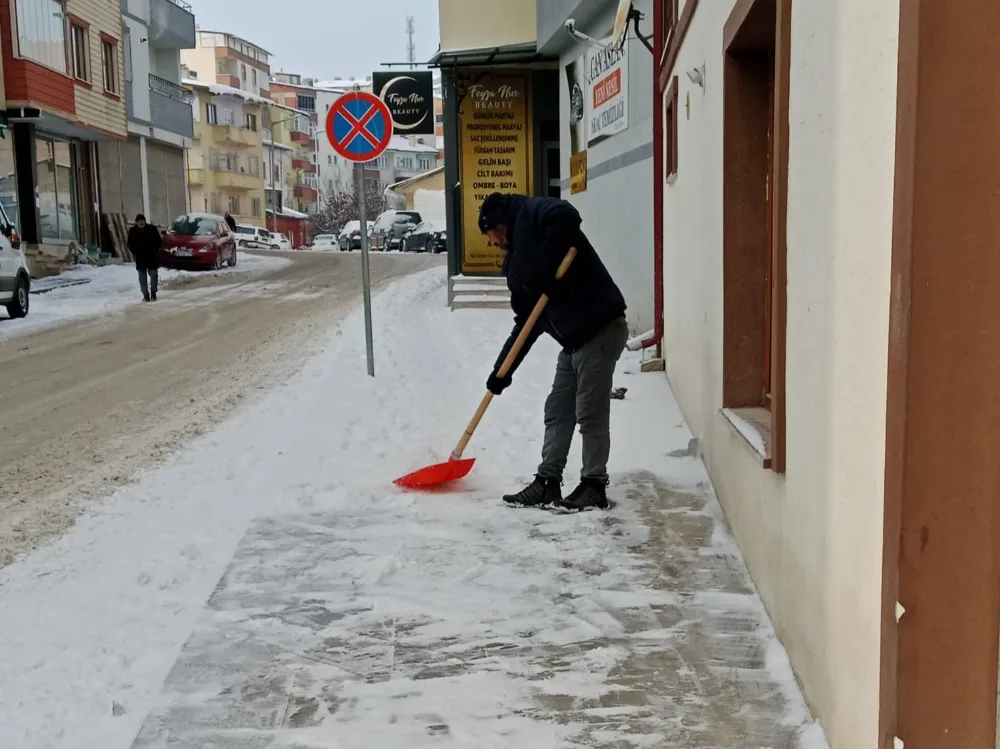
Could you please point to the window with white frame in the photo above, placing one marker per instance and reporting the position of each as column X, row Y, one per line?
column 216, row 203
column 109, row 55
column 234, row 205
column 253, row 165
column 251, row 121
column 79, row 39
column 41, row 32
column 255, row 207
column 211, row 114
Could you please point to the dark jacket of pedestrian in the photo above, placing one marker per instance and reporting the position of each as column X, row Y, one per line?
column 144, row 243
column 539, row 233
column 230, row 221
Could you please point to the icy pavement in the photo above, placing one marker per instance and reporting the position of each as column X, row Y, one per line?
column 268, row 587
column 108, row 289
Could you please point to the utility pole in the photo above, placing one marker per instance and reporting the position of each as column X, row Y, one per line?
column 411, row 50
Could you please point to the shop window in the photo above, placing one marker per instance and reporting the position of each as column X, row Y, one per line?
column 41, row 32
column 670, row 131
column 57, row 190
column 8, row 183
column 79, row 36
column 109, row 49
column 754, row 250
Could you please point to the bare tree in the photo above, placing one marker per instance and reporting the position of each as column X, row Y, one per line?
column 337, row 208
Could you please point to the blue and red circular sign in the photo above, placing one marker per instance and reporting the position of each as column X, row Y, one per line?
column 359, row 126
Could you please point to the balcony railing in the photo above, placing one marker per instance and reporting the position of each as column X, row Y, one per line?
column 169, row 107
column 182, row 4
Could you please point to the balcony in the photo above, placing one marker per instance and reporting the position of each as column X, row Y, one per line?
column 306, row 193
column 196, row 176
column 304, row 165
column 303, row 139
column 171, row 25
column 237, row 136
column 238, row 180
column 168, row 108
column 228, row 80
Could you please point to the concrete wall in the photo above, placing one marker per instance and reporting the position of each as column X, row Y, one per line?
column 617, row 206
column 813, row 537
column 138, row 68
column 474, row 24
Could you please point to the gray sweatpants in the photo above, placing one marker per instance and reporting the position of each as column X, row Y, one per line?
column 581, row 394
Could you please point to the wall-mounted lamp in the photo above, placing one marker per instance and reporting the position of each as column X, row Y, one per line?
column 697, row 76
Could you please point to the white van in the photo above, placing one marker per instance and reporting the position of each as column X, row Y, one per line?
column 15, row 282
column 254, row 238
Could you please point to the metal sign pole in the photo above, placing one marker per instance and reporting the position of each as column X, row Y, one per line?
column 359, row 182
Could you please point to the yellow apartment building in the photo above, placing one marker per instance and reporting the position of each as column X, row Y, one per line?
column 226, row 160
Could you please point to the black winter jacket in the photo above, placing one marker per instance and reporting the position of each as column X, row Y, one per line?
column 539, row 233
column 145, row 245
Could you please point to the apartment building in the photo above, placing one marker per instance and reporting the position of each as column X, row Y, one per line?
column 230, row 61
column 406, row 157
column 63, row 78
column 225, row 162
column 295, row 92
column 147, row 172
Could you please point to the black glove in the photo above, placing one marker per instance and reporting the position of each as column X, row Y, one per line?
column 497, row 385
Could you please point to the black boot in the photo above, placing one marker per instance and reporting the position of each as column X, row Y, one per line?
column 590, row 494
column 541, row 491
column 153, row 296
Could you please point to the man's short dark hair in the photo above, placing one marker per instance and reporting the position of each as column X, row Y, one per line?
column 139, row 217
column 493, row 212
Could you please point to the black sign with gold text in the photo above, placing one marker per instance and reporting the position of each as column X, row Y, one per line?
column 410, row 97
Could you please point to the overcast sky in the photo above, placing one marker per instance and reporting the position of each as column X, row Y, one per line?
column 326, row 38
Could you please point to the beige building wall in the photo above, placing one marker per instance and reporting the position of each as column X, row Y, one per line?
column 96, row 107
column 473, row 24
column 813, row 536
column 200, row 61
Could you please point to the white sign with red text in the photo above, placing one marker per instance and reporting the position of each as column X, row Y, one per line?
column 607, row 92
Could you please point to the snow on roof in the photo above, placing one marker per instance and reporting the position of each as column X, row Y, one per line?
column 218, row 89
column 400, row 143
column 345, row 84
column 293, row 214
column 417, row 178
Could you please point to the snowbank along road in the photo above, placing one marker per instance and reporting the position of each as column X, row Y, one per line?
column 88, row 404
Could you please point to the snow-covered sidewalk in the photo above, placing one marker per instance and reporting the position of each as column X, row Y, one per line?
column 102, row 290
column 270, row 588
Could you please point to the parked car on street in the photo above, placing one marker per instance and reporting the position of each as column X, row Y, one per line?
column 15, row 279
column 325, row 242
column 350, row 235
column 429, row 236
column 390, row 226
column 254, row 238
column 198, row 240
column 280, row 242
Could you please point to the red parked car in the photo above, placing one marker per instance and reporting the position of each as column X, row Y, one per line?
column 198, row 240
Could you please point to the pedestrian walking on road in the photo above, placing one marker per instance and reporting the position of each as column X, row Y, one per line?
column 585, row 315
column 230, row 221
column 144, row 242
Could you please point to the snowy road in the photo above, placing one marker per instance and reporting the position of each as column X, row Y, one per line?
column 268, row 588
column 87, row 404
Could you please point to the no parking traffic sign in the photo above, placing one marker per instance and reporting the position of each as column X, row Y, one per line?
column 359, row 126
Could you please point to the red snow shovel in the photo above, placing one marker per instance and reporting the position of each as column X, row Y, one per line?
column 458, row 467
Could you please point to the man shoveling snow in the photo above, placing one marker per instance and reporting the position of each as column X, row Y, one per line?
column 585, row 315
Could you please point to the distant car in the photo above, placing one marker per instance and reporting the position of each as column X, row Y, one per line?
column 325, row 242
column 390, row 226
column 198, row 240
column 15, row 279
column 280, row 242
column 254, row 238
column 429, row 236
column 350, row 235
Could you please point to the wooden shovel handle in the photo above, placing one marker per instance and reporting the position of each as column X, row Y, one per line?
column 505, row 367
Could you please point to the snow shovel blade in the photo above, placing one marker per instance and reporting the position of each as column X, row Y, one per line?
column 435, row 475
